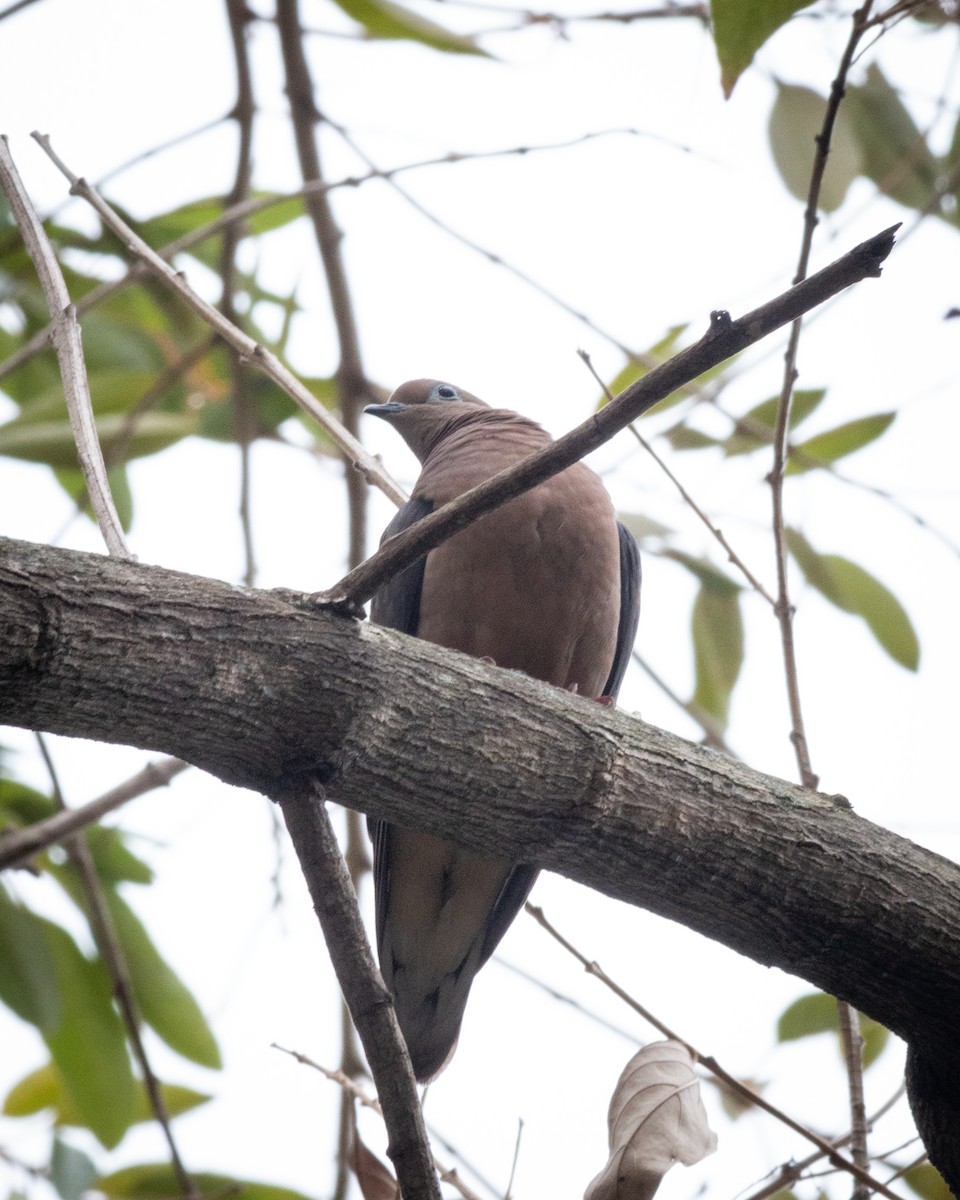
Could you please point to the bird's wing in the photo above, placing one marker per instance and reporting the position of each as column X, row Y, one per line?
column 629, row 609
column 395, row 606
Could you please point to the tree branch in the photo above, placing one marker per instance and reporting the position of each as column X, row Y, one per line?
column 276, row 691
column 724, row 339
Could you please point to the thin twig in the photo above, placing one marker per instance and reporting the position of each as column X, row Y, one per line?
column 250, row 349
column 732, row 555
column 516, row 1158
column 789, row 1173
column 239, row 212
column 335, row 903
column 244, row 411
column 725, row 338
column 710, row 1063
column 784, row 609
column 16, row 848
column 108, row 944
column 353, row 388
column 66, row 341
column 354, row 1091
column 713, row 732
column 851, row 1040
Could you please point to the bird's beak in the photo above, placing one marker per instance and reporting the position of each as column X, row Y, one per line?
column 390, row 409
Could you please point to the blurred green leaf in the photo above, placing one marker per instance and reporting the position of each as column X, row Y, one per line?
column 635, row 369
column 926, row 1181
column 51, row 442
column 165, row 1003
column 28, row 977
column 703, row 570
column 114, row 861
column 385, row 19
column 740, row 27
column 71, row 1171
column 817, row 1013
column 21, row 805
column 683, row 437
column 836, row 443
column 894, row 152
column 44, row 1089
column 75, row 486
column 756, row 427
column 156, row 1181
column 855, row 590
column 796, row 120
column 643, row 527
column 88, row 1045
column 717, row 626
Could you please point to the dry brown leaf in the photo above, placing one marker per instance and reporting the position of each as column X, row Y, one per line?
column 375, row 1178
column 656, row 1119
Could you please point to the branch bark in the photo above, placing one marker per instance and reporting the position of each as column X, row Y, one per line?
column 263, row 690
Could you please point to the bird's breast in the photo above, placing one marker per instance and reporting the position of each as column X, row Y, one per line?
column 535, row 585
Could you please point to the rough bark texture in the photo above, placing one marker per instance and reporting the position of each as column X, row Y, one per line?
column 265, row 691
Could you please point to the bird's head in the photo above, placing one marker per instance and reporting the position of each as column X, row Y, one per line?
column 425, row 410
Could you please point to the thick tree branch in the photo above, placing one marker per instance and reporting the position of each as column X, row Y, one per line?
column 262, row 690
column 724, row 339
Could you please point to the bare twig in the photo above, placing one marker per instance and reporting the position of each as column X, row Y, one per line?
column 732, row 555
column 710, row 1063
column 725, row 338
column 108, row 944
column 713, row 733
column 248, row 208
column 243, row 407
column 353, row 387
column 852, row 1042
column 790, row 1172
column 66, row 341
column 849, row 1022
column 16, row 848
column 354, row 1091
column 248, row 348
column 335, row 903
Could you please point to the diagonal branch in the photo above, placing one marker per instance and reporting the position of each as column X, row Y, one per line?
column 247, row 347
column 725, row 338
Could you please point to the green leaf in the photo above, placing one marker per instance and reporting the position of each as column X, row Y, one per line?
column 796, row 120
column 643, row 527
column 88, row 1045
column 837, row 443
column 704, row 570
column 52, row 442
column 73, row 483
column 755, row 428
column 44, row 1089
column 384, row 19
column 740, row 27
column 717, row 626
column 894, row 152
column 926, row 1181
column 71, row 1171
column 643, row 364
column 817, row 1013
column 156, row 1181
column 28, row 977
column 683, row 437
column 21, row 805
column 165, row 1003
column 114, row 861
column 855, row 590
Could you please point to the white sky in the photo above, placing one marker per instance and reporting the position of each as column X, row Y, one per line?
column 639, row 232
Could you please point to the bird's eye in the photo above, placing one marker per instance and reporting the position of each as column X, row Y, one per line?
column 445, row 392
